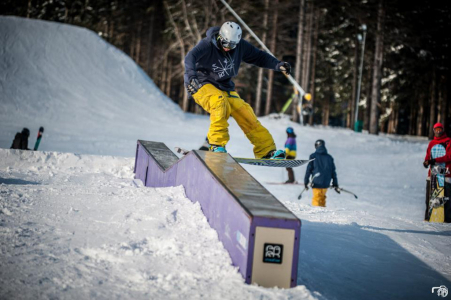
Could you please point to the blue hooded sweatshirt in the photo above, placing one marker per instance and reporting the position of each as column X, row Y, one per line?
column 324, row 164
column 210, row 64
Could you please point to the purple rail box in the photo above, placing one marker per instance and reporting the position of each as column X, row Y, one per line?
column 235, row 204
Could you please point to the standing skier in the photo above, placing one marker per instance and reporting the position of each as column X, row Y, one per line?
column 209, row 69
column 440, row 137
column 21, row 140
column 290, row 151
column 325, row 167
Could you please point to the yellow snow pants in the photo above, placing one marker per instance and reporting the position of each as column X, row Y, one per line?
column 319, row 197
column 221, row 105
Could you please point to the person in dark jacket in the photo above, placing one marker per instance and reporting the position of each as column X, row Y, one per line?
column 21, row 140
column 440, row 137
column 290, row 151
column 209, row 69
column 324, row 165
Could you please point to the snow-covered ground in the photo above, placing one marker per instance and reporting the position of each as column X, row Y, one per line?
column 75, row 225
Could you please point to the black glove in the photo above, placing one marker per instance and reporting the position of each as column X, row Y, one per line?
column 336, row 188
column 429, row 162
column 306, row 186
column 285, row 67
column 193, row 86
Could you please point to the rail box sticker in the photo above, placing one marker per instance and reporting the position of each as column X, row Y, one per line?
column 273, row 253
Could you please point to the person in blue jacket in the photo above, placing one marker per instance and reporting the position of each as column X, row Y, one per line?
column 324, row 165
column 209, row 69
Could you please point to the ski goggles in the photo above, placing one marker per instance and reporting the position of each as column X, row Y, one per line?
column 228, row 45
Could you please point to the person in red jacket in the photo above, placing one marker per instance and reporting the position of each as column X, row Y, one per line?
column 440, row 137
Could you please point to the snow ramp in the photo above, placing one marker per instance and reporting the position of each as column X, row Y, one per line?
column 261, row 235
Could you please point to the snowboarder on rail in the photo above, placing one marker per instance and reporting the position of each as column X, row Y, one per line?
column 209, row 69
column 324, row 165
column 440, row 137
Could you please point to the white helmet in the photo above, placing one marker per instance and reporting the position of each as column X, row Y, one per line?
column 230, row 34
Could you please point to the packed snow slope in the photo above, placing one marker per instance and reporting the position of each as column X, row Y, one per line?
column 78, row 87
column 76, row 226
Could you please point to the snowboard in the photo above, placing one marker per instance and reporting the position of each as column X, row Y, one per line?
column 281, row 163
column 437, row 198
column 38, row 139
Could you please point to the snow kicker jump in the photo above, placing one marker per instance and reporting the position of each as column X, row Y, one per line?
column 261, row 235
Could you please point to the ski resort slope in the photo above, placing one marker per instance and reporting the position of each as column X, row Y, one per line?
column 75, row 225
column 81, row 89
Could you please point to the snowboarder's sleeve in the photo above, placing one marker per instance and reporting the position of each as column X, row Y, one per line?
column 254, row 56
column 334, row 174
column 447, row 157
column 428, row 153
column 192, row 58
column 309, row 170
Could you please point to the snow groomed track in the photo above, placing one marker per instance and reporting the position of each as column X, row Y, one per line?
column 261, row 235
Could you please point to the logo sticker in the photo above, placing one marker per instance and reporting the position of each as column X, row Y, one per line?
column 441, row 291
column 225, row 67
column 273, row 253
column 241, row 239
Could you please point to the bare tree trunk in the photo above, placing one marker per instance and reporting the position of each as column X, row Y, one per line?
column 28, row 9
column 378, row 57
column 182, row 52
column 315, row 46
column 420, row 115
column 366, row 119
column 307, row 49
column 326, row 109
column 138, row 43
column 391, row 119
column 412, row 117
column 351, row 104
column 273, row 50
column 396, row 121
column 169, row 78
column 297, row 71
column 164, row 74
column 442, row 100
column 258, row 97
column 132, row 45
column 432, row 105
column 150, row 42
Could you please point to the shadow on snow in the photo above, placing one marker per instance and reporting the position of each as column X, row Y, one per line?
column 349, row 262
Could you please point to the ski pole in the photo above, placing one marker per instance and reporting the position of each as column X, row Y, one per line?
column 289, row 77
column 338, row 190
column 308, row 184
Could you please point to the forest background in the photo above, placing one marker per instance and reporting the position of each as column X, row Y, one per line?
column 405, row 47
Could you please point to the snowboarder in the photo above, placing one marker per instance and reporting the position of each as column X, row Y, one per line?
column 21, row 140
column 324, row 165
column 440, row 137
column 290, row 151
column 209, row 69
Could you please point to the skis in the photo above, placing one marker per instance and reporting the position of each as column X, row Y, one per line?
column 38, row 139
column 308, row 185
column 283, row 163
